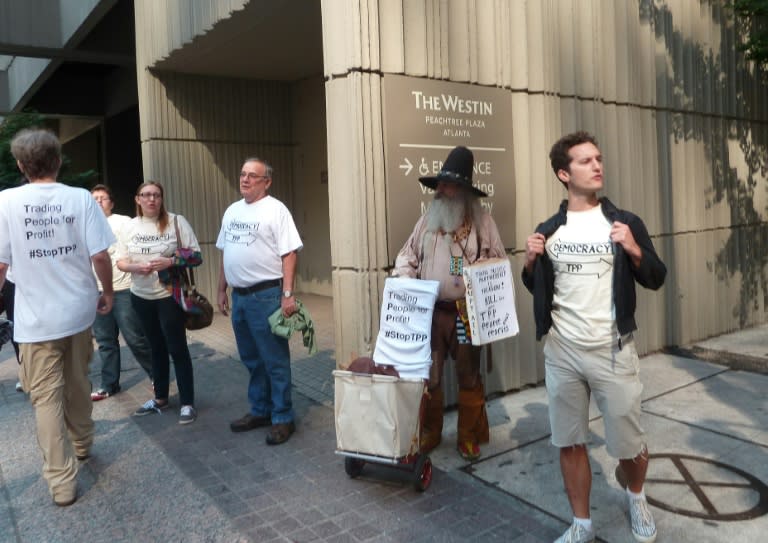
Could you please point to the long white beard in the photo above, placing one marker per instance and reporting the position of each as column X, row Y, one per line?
column 446, row 214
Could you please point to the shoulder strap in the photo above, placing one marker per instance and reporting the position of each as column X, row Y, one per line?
column 187, row 275
column 178, row 234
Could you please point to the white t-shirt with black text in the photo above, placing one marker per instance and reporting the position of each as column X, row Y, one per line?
column 582, row 253
column 254, row 237
column 140, row 240
column 48, row 234
column 120, row 280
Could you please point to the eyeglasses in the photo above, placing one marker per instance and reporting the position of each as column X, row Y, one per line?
column 252, row 176
column 151, row 195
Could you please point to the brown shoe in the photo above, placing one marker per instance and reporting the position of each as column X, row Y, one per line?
column 279, row 433
column 248, row 422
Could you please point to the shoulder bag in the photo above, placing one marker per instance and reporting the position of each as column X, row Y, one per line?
column 199, row 311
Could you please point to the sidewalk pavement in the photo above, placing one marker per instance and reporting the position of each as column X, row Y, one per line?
column 151, row 479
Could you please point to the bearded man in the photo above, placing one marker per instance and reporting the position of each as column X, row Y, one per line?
column 454, row 232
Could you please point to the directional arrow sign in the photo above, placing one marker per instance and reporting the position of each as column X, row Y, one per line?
column 407, row 166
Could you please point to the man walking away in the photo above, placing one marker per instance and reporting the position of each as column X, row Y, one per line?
column 52, row 234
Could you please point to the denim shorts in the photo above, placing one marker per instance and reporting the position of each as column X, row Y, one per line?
column 612, row 374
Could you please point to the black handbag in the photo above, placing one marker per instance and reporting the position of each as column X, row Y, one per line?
column 199, row 311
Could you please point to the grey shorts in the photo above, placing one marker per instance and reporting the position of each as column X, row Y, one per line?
column 612, row 375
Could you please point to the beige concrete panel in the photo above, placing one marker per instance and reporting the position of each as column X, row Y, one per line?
column 656, row 314
column 353, row 37
column 310, row 208
column 650, row 187
column 356, row 305
column 608, row 55
column 693, row 165
column 437, row 29
column 162, row 27
column 530, row 361
column 622, row 46
column 461, row 49
column 566, row 47
column 369, row 30
column 338, row 36
column 180, row 106
column 536, row 128
column 525, row 166
column 416, row 37
column 374, row 144
column 493, row 67
column 719, row 287
column 588, row 33
column 356, row 172
column 391, row 36
column 536, row 47
column 644, row 72
column 516, row 72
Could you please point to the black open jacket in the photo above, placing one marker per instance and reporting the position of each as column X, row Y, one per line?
column 650, row 273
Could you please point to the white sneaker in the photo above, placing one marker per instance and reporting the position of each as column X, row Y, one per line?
column 577, row 534
column 187, row 414
column 19, row 388
column 643, row 526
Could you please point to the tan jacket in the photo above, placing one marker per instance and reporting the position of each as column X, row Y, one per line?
column 427, row 255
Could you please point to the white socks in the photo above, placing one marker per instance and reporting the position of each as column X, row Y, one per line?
column 633, row 496
column 585, row 523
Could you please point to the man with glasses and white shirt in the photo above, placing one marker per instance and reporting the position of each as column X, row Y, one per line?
column 260, row 242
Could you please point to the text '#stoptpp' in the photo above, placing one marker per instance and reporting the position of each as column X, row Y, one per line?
column 393, row 334
column 56, row 251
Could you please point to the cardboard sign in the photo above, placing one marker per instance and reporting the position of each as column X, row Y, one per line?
column 491, row 301
column 405, row 328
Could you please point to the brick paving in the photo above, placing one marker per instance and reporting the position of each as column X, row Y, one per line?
column 296, row 492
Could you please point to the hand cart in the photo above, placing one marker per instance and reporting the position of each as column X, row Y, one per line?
column 378, row 420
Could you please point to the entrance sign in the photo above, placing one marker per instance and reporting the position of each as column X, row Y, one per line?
column 423, row 120
column 490, row 301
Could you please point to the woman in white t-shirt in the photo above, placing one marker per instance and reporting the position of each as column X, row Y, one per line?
column 150, row 249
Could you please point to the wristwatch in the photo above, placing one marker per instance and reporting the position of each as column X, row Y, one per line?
column 287, row 293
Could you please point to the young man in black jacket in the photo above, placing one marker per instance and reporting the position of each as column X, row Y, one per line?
column 581, row 266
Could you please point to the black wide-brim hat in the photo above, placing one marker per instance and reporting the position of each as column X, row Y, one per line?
column 457, row 169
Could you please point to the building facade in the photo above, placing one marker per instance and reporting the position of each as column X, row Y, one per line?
column 681, row 117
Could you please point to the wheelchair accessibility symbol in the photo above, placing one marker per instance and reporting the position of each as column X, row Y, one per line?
column 699, row 487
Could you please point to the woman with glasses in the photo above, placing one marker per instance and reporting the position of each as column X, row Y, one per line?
column 150, row 249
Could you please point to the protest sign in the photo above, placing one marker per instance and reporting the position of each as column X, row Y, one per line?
column 490, row 300
column 405, row 326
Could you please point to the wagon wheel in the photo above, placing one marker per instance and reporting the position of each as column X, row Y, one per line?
column 353, row 466
column 422, row 473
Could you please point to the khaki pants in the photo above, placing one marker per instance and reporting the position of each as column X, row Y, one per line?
column 55, row 373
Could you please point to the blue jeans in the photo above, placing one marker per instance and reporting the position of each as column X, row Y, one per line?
column 163, row 322
column 106, row 328
column 265, row 355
